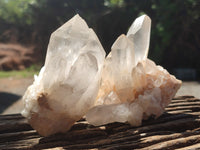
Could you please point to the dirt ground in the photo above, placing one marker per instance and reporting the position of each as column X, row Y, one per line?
column 11, row 92
column 12, row 89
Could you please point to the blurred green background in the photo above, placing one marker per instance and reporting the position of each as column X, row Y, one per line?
column 175, row 31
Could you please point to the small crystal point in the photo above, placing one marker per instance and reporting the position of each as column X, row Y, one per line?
column 68, row 83
column 123, row 58
column 139, row 33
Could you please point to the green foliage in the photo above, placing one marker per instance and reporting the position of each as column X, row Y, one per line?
column 16, row 11
column 172, row 26
column 113, row 3
column 28, row 72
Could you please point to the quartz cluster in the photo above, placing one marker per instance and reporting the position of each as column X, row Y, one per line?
column 68, row 83
column 133, row 87
column 77, row 80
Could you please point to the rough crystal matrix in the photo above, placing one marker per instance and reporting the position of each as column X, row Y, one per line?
column 133, row 87
column 68, row 83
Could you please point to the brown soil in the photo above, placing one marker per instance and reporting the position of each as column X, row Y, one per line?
column 15, row 56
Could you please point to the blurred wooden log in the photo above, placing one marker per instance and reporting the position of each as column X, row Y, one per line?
column 178, row 128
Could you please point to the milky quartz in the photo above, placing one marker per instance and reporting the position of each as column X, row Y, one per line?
column 132, row 87
column 68, row 83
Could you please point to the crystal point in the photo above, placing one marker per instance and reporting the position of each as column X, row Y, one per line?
column 139, row 33
column 68, row 83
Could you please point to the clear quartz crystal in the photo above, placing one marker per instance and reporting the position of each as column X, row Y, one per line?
column 132, row 86
column 67, row 85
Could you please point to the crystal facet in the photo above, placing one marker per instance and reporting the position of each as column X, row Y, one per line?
column 132, row 86
column 68, row 83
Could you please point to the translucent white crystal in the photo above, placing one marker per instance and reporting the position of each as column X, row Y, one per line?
column 132, row 86
column 139, row 33
column 68, row 83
